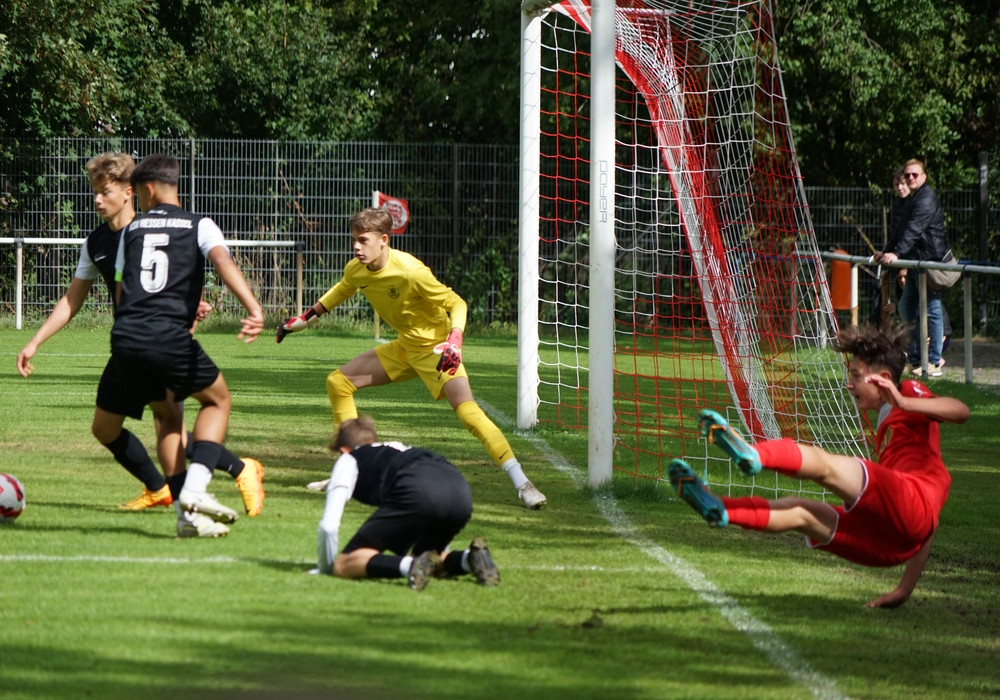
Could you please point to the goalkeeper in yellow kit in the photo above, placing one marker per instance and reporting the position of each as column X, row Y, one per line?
column 429, row 319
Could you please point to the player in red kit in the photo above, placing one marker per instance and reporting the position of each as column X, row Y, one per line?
column 890, row 505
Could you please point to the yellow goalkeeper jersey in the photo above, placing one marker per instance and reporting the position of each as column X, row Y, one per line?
column 406, row 294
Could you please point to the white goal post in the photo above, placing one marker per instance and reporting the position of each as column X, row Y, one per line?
column 661, row 201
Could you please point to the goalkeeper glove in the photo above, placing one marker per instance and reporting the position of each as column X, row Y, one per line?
column 450, row 352
column 296, row 323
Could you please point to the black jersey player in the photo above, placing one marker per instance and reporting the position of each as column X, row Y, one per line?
column 422, row 502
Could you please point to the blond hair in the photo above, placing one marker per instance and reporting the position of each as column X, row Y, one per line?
column 110, row 167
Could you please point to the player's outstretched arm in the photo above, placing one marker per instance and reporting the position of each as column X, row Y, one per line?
column 939, row 408
column 343, row 479
column 253, row 324
column 911, row 574
column 61, row 314
column 299, row 323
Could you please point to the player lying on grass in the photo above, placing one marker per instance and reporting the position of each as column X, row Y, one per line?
column 429, row 318
column 109, row 175
column 422, row 502
column 890, row 506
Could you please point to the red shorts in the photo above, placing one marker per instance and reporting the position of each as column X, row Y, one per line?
column 887, row 525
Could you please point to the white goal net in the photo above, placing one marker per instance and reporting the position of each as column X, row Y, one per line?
column 719, row 296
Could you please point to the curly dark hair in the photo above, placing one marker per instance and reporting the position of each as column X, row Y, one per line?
column 354, row 432
column 876, row 348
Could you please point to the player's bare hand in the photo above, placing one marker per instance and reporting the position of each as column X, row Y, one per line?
column 204, row 309
column 887, row 389
column 890, row 600
column 251, row 327
column 23, row 365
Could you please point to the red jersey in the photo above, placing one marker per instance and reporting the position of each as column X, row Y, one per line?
column 904, row 491
column 911, row 443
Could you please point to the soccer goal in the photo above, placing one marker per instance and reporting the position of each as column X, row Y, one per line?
column 667, row 258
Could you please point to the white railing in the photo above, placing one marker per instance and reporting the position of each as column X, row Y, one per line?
column 19, row 244
column 921, row 266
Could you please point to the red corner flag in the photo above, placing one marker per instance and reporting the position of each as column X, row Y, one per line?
column 398, row 208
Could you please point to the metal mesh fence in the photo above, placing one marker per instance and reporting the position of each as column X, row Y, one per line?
column 463, row 204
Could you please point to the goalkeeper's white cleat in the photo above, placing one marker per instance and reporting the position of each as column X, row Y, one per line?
column 318, row 485
column 532, row 498
column 206, row 504
column 198, row 525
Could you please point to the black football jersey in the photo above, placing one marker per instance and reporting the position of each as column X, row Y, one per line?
column 102, row 248
column 380, row 464
column 162, row 271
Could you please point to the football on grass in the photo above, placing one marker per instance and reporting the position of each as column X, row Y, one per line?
column 11, row 498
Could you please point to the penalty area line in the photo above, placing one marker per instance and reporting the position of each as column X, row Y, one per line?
column 760, row 635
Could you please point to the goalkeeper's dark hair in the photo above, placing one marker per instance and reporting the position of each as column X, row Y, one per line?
column 354, row 432
column 157, row 167
column 876, row 348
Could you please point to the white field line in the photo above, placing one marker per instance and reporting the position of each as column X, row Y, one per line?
column 101, row 559
column 761, row 636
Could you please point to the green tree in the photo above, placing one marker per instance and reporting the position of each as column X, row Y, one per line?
column 447, row 71
column 68, row 68
column 276, row 70
column 871, row 83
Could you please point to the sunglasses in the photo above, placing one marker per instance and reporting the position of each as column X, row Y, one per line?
column 909, row 175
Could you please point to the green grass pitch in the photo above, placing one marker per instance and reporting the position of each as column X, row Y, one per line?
column 618, row 593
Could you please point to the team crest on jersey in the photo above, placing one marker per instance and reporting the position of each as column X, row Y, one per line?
column 393, row 293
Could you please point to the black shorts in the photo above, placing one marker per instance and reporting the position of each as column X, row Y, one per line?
column 149, row 372
column 429, row 504
column 114, row 396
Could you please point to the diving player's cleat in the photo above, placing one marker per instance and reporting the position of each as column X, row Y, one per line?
column 693, row 491
column 717, row 430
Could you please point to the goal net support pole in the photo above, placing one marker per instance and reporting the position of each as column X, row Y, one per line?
column 601, row 328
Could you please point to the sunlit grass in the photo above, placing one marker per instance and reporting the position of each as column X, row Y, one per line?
column 97, row 602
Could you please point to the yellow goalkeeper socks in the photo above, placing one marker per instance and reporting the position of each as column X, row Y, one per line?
column 341, row 390
column 477, row 423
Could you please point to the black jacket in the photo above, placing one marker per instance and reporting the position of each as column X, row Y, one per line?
column 920, row 235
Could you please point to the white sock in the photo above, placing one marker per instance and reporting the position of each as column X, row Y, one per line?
column 404, row 566
column 197, row 478
column 465, row 561
column 513, row 469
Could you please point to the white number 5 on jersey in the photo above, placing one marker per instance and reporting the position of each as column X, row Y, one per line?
column 154, row 262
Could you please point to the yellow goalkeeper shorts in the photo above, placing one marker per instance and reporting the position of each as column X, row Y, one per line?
column 404, row 362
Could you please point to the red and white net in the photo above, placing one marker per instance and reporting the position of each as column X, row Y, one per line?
column 721, row 298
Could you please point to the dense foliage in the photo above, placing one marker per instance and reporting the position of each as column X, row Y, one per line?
column 869, row 82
